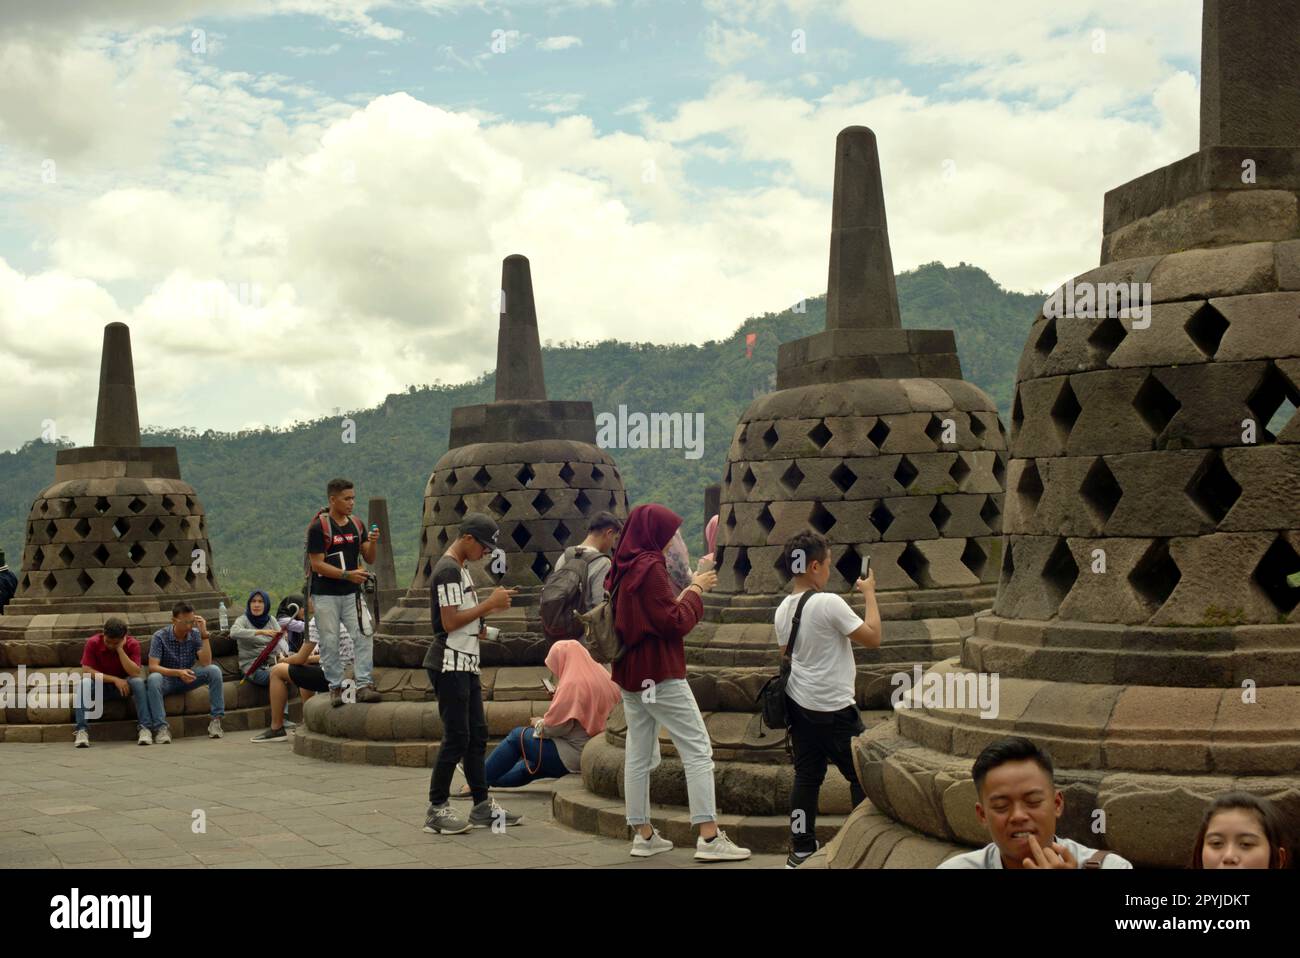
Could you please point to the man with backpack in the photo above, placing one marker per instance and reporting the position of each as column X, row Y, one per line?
column 821, row 704
column 578, row 583
column 336, row 543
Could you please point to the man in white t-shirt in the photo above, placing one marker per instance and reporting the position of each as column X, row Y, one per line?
column 821, row 705
column 1019, row 803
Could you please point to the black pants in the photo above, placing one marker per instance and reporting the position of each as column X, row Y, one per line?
column 819, row 738
column 464, row 735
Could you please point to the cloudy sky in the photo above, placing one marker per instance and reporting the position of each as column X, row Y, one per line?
column 248, row 181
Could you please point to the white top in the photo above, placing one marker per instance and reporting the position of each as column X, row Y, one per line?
column 990, row 857
column 462, row 651
column 822, row 672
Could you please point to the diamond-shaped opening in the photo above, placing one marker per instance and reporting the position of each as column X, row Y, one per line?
column 1105, row 339
column 136, row 505
column 820, row 434
column 167, row 503
column 1046, row 341
column 959, row 470
column 843, row 477
column 428, row 571
column 879, row 433
column 442, row 541
column 38, row 557
column 731, row 517
column 1270, row 575
column 598, row 474
column 82, row 528
column 102, row 505
column 499, row 505
column 914, row 563
column 781, row 567
column 849, row 566
column 541, row 566
column 50, row 582
column 562, row 533
column 770, row 437
column 162, row 580
column 934, row 429
column 1060, row 571
column 991, row 515
column 521, row 535
column 974, row 558
column 84, row 581
column 189, row 504
column 482, row 477
column 906, row 472
column 742, row 566
column 940, row 514
column 156, row 526
column 977, row 427
column 190, row 577
column 766, row 520
column 583, row 502
column 171, row 552
column 1017, row 412
column 525, row 475
column 101, row 554
column 69, row 506
column 726, row 480
column 1030, row 487
column 121, row 526
column 1008, row 563
column 1155, row 575
column 881, row 517
column 27, row 582
column 1066, row 409
column 1273, row 402
column 1000, row 470
column 1155, row 404
column 451, row 479
column 136, row 552
column 124, row 581
column 65, row 554
column 1100, row 490
column 1212, row 488
column 542, row 503
column 566, row 473
column 748, row 480
column 460, row 508
column 821, row 518
column 45, row 506
column 792, row 477
column 50, row 529
column 1206, row 327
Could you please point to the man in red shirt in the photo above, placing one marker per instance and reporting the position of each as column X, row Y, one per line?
column 110, row 669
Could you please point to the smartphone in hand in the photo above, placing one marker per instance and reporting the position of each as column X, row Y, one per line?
column 866, row 566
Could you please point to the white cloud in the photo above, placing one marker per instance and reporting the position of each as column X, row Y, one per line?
column 559, row 43
column 555, row 102
column 727, row 46
column 330, row 50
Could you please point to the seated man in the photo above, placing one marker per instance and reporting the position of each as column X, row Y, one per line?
column 173, row 653
column 112, row 658
column 1018, row 802
column 304, row 670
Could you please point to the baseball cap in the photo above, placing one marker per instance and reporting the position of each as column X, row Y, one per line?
column 481, row 527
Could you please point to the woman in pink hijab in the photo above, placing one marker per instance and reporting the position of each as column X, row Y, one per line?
column 552, row 745
column 711, row 538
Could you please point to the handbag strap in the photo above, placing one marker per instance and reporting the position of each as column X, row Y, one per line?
column 798, row 617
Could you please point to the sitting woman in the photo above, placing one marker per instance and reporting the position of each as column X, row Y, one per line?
column 1241, row 830
column 552, row 745
column 251, row 632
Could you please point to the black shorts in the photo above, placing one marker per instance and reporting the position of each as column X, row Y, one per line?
column 309, row 677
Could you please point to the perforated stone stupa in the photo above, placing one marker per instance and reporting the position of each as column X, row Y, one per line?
column 116, row 534
column 1144, row 629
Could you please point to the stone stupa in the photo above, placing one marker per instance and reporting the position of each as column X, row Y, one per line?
column 873, row 439
column 1171, row 673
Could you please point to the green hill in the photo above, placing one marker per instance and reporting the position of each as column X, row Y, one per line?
column 257, row 513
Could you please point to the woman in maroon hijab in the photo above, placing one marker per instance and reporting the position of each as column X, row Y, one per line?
column 651, row 619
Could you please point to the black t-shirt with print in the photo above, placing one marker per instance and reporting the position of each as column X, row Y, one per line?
column 342, row 551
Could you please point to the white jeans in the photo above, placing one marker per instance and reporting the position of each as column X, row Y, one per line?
column 675, row 709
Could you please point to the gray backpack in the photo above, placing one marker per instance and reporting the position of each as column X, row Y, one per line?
column 564, row 594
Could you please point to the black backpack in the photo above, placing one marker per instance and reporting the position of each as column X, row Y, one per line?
column 564, row 594
column 771, row 697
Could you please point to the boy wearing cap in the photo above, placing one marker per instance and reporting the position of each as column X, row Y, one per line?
column 453, row 666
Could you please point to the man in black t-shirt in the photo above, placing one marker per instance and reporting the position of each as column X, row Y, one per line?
column 452, row 664
column 336, row 577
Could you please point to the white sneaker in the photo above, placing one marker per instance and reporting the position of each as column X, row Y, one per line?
column 144, row 738
column 721, row 849
column 162, row 736
column 81, row 739
column 214, row 729
column 646, row 847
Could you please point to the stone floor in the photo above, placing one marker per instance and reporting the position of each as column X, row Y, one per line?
column 118, row 805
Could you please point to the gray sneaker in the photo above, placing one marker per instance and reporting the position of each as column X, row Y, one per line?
column 214, row 729
column 145, row 737
column 649, row 847
column 162, row 736
column 368, row 693
column 81, row 739
column 271, row 735
column 487, row 813
column 441, row 820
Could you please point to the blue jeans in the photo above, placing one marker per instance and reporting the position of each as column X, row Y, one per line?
column 330, row 611
column 158, row 686
column 505, row 766
column 110, row 692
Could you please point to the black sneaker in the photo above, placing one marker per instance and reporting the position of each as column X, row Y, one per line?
column 271, row 735
column 336, row 697
column 798, row 858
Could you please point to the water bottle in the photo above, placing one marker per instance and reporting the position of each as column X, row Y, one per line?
column 222, row 617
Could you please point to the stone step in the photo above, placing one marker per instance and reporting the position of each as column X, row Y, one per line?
column 871, row 839
column 182, row 726
column 574, row 806
column 409, row 753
